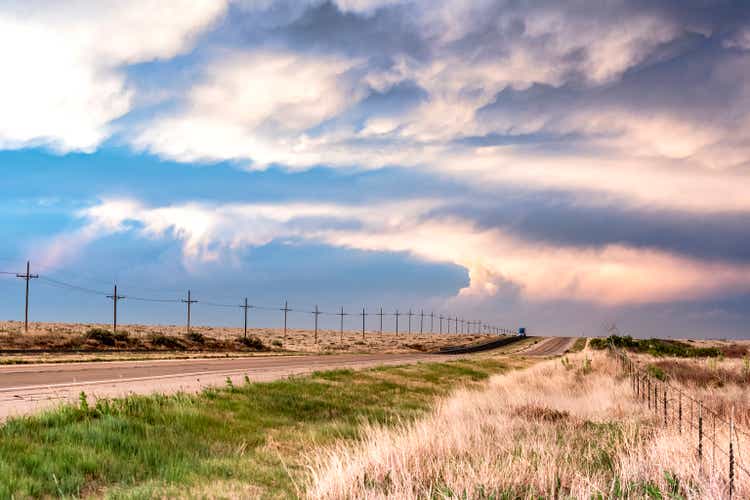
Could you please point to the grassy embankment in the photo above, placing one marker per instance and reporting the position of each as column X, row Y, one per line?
column 560, row 429
column 656, row 347
column 249, row 440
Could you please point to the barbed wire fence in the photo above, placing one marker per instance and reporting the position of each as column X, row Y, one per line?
column 461, row 326
column 708, row 430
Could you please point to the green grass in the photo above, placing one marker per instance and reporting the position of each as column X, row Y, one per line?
column 579, row 345
column 256, row 433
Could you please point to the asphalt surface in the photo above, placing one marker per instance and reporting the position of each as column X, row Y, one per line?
column 553, row 346
column 28, row 388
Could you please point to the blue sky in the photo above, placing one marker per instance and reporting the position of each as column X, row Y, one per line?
column 558, row 165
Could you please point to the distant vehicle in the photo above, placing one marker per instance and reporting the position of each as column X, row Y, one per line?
column 522, row 332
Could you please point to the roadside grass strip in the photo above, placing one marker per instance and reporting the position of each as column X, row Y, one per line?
column 252, row 439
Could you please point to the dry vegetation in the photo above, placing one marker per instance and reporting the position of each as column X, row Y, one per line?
column 558, row 429
column 83, row 337
column 720, row 383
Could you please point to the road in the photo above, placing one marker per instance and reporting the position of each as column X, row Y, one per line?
column 26, row 389
column 553, row 346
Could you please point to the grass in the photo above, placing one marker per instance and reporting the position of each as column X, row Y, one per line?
column 655, row 347
column 236, row 441
column 579, row 345
column 556, row 430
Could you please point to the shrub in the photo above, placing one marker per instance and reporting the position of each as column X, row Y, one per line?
column 277, row 343
column 656, row 372
column 196, row 337
column 159, row 339
column 104, row 336
column 253, row 342
column 655, row 347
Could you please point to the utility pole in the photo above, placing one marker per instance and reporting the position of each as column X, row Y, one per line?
column 432, row 322
column 115, row 298
column 381, row 320
column 246, row 306
column 28, row 276
column 421, row 321
column 396, row 321
column 410, row 315
column 286, row 310
column 316, row 313
column 363, row 322
column 341, row 328
column 189, row 302
column 456, row 325
column 440, row 331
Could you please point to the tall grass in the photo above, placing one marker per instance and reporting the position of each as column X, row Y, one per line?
column 555, row 430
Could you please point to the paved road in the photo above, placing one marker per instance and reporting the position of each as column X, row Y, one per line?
column 553, row 346
column 28, row 388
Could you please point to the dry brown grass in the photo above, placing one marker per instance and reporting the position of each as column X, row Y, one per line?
column 570, row 430
column 722, row 384
column 72, row 336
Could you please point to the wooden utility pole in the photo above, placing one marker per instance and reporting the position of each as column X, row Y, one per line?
column 189, row 302
column 316, row 313
column 381, row 320
column 286, row 310
column 456, row 325
column 115, row 298
column 396, row 321
column 410, row 315
column 28, row 276
column 432, row 322
column 245, row 306
column 440, row 331
column 421, row 321
column 341, row 325
column 363, row 322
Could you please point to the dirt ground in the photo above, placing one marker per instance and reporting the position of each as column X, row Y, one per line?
column 88, row 341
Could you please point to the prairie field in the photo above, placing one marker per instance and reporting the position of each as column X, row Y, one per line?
column 499, row 424
column 565, row 429
column 148, row 340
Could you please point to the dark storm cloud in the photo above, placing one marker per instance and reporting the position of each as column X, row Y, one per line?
column 556, row 219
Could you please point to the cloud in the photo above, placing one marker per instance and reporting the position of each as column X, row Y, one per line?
column 612, row 274
column 63, row 81
column 252, row 105
column 575, row 90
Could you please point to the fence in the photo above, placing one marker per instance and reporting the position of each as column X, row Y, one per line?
column 447, row 324
column 674, row 408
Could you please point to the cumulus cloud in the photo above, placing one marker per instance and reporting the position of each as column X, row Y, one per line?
column 254, row 105
column 583, row 72
column 614, row 274
column 63, row 81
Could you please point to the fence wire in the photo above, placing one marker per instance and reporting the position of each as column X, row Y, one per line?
column 660, row 395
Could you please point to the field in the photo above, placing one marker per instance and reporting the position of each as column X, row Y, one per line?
column 82, row 341
column 558, row 429
column 498, row 424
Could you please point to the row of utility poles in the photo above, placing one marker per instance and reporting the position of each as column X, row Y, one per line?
column 460, row 325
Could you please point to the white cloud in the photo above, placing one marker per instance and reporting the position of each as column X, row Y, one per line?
column 610, row 275
column 254, row 105
column 62, row 80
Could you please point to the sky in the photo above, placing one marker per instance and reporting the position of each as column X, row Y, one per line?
column 563, row 166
